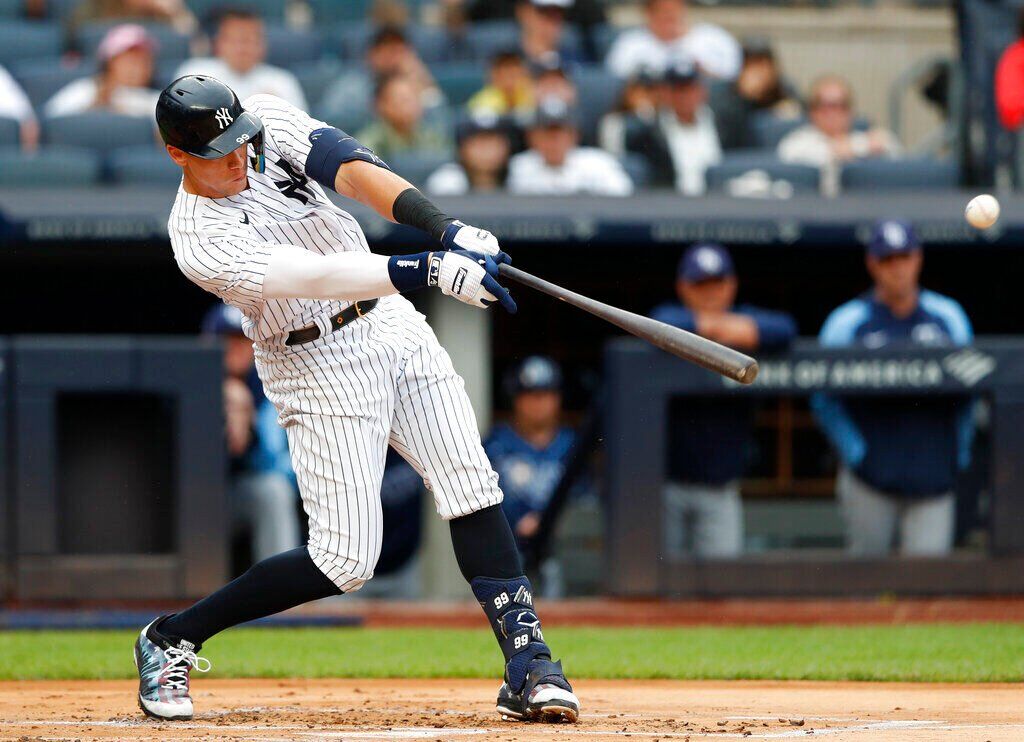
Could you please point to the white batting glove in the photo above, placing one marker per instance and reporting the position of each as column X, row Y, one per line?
column 469, row 277
column 461, row 236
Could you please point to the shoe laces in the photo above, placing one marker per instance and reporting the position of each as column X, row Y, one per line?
column 179, row 663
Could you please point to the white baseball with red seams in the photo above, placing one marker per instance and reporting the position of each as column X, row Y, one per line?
column 982, row 211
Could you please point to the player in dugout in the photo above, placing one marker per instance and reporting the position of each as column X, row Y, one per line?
column 710, row 439
column 899, row 456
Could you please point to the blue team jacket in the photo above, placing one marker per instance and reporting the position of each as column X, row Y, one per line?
column 901, row 445
column 709, row 440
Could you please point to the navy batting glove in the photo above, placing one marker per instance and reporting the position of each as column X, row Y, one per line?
column 461, row 236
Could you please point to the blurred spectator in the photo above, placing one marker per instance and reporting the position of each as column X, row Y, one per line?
column 760, row 88
column 542, row 28
column 263, row 491
column 509, row 89
column 899, row 456
column 530, row 453
column 555, row 164
column 175, row 13
column 239, row 48
column 683, row 142
column 123, row 83
column 551, row 79
column 1009, row 81
column 710, row 439
column 585, row 15
column 667, row 35
column 483, row 148
column 14, row 104
column 636, row 109
column 389, row 53
column 399, row 126
column 455, row 24
column 829, row 140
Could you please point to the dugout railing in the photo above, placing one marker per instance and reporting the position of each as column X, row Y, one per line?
column 640, row 384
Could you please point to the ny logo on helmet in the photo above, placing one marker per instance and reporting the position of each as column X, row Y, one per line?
column 223, row 118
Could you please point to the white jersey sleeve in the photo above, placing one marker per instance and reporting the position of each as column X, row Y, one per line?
column 231, row 267
column 287, row 126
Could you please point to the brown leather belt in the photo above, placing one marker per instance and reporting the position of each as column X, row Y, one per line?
column 342, row 318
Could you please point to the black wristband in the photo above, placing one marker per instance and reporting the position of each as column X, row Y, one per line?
column 413, row 208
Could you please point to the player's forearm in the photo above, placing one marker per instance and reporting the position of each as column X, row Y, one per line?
column 369, row 184
column 293, row 273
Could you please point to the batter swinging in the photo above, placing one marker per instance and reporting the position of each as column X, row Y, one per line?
column 351, row 367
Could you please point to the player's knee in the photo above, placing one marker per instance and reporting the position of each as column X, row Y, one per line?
column 348, row 571
column 452, row 504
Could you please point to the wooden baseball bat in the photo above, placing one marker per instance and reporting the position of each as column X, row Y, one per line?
column 706, row 353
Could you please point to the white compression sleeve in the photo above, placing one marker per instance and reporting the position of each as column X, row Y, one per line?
column 294, row 273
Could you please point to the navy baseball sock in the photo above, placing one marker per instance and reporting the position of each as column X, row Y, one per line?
column 268, row 587
column 486, row 551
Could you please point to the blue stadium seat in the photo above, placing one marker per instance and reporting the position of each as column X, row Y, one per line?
column 287, row 48
column 10, row 132
column 598, row 92
column 315, row 78
column 11, row 9
column 50, row 167
column 271, row 10
column 769, row 130
column 895, row 175
column 99, row 131
column 171, row 44
column 488, row 37
column 416, row 167
column 147, row 165
column 43, row 77
column 21, row 40
column 166, row 71
column 803, row 178
column 330, row 12
column 637, row 168
column 348, row 41
column 458, row 81
column 61, row 9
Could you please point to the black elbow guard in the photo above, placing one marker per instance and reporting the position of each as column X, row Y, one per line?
column 331, row 149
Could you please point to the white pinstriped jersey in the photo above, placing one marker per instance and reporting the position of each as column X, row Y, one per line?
column 382, row 379
column 222, row 244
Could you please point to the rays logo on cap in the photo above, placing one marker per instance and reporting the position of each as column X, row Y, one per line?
column 895, row 235
column 224, row 118
column 709, row 260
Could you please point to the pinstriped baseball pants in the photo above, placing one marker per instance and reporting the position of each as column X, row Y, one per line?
column 385, row 380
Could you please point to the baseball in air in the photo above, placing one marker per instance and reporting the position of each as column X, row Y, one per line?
column 982, row 211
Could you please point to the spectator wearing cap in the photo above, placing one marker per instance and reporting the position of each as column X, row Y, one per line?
column 555, row 164
column 400, row 126
column 636, row 109
column 542, row 29
column 683, row 142
column 551, row 79
column 530, row 452
column 239, row 51
column 710, row 439
column 263, row 491
column 668, row 34
column 829, row 139
column 759, row 88
column 123, row 83
column 14, row 104
column 483, row 147
column 899, row 456
column 509, row 89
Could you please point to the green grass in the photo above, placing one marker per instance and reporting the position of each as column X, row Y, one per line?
column 934, row 652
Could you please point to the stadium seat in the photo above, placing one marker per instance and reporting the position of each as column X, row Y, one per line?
column 170, row 43
column 315, row 78
column 11, row 9
column 147, row 165
column 42, row 78
column 21, row 40
column 61, row 9
column 769, row 130
column 416, row 167
column 895, row 175
column 271, row 10
column 598, row 92
column 488, row 37
column 50, row 167
column 166, row 71
column 10, row 132
column 286, row 47
column 99, row 131
column 330, row 12
column 737, row 164
column 459, row 81
column 637, row 168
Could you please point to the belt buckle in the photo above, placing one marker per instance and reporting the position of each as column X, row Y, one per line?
column 359, row 309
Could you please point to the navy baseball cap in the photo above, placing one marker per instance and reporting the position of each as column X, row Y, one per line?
column 681, row 71
column 223, row 320
column 537, row 374
column 480, row 122
column 705, row 261
column 893, row 237
column 552, row 111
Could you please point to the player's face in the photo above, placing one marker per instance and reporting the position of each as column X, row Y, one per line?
column 240, row 43
column 537, row 409
column 712, row 295
column 553, row 143
column 226, row 176
column 666, row 18
column 897, row 275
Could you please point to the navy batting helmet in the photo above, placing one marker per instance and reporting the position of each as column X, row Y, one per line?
column 203, row 116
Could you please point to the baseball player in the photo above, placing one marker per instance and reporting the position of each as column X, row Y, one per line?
column 351, row 367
